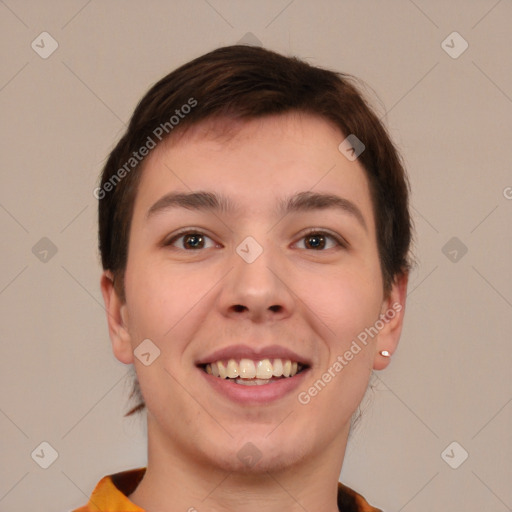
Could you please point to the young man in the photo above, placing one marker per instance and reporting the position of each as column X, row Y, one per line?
column 254, row 232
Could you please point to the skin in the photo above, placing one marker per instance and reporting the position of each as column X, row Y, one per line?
column 187, row 301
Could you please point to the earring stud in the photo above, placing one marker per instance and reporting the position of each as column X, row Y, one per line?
column 384, row 353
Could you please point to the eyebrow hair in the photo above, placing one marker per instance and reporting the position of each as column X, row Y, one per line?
column 193, row 201
column 306, row 201
column 300, row 202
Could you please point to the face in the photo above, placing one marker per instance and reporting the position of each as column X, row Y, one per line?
column 253, row 256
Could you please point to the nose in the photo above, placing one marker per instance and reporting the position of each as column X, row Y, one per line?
column 257, row 291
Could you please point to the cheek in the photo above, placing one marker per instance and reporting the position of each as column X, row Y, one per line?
column 149, row 295
column 346, row 301
column 343, row 307
column 163, row 302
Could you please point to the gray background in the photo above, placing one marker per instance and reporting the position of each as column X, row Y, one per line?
column 452, row 119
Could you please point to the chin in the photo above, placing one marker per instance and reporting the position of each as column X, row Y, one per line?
column 257, row 455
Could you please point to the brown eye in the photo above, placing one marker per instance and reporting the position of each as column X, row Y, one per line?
column 191, row 241
column 315, row 241
column 319, row 241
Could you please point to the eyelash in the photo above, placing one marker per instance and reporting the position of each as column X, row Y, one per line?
column 339, row 241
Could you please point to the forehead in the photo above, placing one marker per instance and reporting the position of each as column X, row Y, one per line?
column 256, row 163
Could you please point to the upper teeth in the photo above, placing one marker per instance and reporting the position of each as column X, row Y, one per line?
column 249, row 369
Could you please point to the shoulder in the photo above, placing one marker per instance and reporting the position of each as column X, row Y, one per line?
column 112, row 491
column 351, row 501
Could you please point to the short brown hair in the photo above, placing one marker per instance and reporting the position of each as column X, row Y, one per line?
column 243, row 83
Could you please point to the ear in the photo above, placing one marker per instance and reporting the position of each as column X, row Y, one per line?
column 392, row 314
column 117, row 321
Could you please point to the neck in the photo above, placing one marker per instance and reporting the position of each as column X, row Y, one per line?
column 176, row 480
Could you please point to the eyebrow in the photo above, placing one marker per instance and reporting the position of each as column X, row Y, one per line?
column 300, row 202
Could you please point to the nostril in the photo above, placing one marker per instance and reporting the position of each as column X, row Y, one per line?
column 239, row 308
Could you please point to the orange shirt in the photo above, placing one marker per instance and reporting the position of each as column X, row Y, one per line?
column 110, row 495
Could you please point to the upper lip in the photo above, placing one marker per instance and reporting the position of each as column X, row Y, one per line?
column 248, row 352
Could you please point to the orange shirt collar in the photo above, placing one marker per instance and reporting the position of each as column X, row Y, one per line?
column 111, row 494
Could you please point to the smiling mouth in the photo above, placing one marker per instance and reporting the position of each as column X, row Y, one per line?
column 249, row 372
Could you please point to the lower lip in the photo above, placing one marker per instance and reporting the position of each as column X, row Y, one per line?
column 255, row 394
